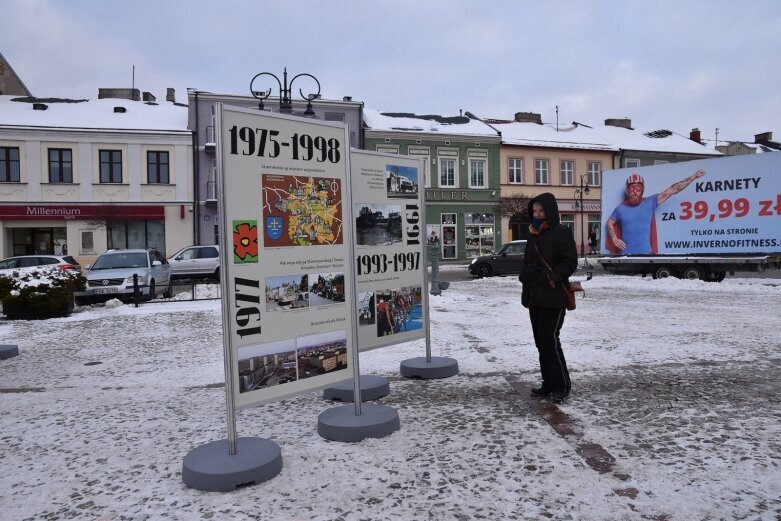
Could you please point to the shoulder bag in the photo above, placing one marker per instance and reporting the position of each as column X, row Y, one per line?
column 570, row 291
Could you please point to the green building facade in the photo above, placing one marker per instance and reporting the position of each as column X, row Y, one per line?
column 460, row 179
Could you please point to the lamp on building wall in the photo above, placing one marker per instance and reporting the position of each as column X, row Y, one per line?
column 583, row 189
column 285, row 93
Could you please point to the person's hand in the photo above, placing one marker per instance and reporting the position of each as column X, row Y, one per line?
column 699, row 173
column 621, row 245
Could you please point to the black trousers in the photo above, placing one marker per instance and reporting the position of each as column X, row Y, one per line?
column 546, row 324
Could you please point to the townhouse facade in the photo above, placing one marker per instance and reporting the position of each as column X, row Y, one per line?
column 461, row 156
column 79, row 177
column 201, row 121
column 565, row 160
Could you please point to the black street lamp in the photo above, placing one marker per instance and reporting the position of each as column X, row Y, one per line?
column 285, row 93
column 584, row 189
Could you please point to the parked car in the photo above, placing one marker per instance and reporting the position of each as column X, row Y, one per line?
column 196, row 262
column 111, row 276
column 65, row 262
column 507, row 261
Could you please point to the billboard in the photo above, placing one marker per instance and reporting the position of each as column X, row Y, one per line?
column 722, row 205
column 389, row 224
column 287, row 302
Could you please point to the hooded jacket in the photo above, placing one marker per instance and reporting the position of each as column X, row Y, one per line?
column 556, row 245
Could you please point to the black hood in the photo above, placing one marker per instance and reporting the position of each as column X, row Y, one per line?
column 549, row 204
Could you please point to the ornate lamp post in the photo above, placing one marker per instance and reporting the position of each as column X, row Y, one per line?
column 285, row 93
column 583, row 189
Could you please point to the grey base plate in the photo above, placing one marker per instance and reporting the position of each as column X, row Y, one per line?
column 439, row 367
column 8, row 351
column 210, row 467
column 342, row 424
column 372, row 388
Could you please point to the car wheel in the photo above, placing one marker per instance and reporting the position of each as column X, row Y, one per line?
column 691, row 273
column 217, row 274
column 662, row 272
column 169, row 290
column 82, row 301
column 484, row 270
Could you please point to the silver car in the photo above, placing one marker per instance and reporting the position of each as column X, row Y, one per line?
column 196, row 262
column 65, row 262
column 116, row 273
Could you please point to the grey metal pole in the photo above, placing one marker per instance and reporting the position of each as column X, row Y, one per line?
column 228, row 357
column 348, row 196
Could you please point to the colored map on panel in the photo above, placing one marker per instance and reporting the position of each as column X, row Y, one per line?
column 301, row 211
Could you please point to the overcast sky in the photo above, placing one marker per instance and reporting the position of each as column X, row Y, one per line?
column 675, row 64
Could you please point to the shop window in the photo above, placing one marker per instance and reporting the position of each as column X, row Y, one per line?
column 110, row 166
column 136, row 234
column 568, row 220
column 60, row 165
column 9, row 164
column 478, row 234
column 157, row 167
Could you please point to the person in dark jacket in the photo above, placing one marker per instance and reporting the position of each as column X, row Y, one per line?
column 551, row 257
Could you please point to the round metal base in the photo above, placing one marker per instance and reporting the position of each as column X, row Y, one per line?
column 210, row 467
column 372, row 388
column 11, row 350
column 342, row 424
column 439, row 367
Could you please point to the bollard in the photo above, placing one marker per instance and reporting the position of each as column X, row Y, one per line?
column 436, row 286
column 136, row 290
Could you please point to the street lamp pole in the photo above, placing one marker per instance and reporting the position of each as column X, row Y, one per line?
column 285, row 93
column 583, row 189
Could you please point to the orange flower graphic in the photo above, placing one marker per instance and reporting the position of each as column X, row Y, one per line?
column 245, row 240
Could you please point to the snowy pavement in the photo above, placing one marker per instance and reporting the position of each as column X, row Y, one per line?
column 674, row 414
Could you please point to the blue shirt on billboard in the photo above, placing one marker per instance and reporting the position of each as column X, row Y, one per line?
column 636, row 224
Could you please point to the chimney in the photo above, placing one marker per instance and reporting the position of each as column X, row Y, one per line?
column 40, row 106
column 528, row 117
column 615, row 122
column 148, row 96
column 170, row 95
column 347, row 98
column 764, row 136
column 130, row 94
column 694, row 135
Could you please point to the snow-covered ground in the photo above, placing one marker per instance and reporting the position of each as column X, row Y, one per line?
column 674, row 414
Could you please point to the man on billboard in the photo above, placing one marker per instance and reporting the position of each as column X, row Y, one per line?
column 631, row 228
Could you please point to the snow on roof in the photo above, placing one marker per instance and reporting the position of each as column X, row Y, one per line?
column 92, row 114
column 549, row 135
column 408, row 122
column 652, row 141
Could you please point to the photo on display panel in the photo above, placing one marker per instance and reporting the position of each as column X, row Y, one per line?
column 377, row 224
column 326, row 289
column 366, row 309
column 287, row 292
column 399, row 310
column 322, row 353
column 401, row 181
column 265, row 365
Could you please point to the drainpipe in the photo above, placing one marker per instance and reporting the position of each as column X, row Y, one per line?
column 197, row 177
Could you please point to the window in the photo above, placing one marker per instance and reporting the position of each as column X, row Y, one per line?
column 567, row 172
column 631, row 163
column 447, row 172
column 157, row 167
column 9, row 164
column 477, row 173
column 515, row 170
column 568, row 220
column 594, row 173
column 541, row 171
column 60, row 165
column 422, row 153
column 136, row 234
column 110, row 166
